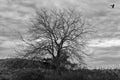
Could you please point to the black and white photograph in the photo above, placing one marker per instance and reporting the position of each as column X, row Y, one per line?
column 59, row 39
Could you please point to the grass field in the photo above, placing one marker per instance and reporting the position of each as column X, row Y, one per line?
column 12, row 71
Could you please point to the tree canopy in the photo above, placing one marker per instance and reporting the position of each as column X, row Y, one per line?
column 57, row 37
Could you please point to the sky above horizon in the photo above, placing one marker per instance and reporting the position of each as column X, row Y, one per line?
column 104, row 46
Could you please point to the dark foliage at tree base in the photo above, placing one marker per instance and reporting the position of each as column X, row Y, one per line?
column 83, row 74
column 27, row 71
column 28, row 74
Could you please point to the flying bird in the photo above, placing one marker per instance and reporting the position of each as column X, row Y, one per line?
column 113, row 5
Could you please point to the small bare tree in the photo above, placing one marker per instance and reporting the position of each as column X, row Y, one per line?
column 57, row 37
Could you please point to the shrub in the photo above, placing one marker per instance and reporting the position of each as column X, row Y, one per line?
column 29, row 74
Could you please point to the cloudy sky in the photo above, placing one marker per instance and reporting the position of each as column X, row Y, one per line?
column 104, row 45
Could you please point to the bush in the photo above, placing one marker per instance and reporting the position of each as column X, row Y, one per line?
column 17, row 63
column 29, row 74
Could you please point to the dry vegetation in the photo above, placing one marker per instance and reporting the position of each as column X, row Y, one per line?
column 32, row 72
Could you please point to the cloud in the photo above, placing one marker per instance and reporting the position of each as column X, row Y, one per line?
column 105, row 47
column 105, row 51
column 7, row 47
column 105, row 43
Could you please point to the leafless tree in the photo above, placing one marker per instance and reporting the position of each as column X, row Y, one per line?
column 57, row 37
